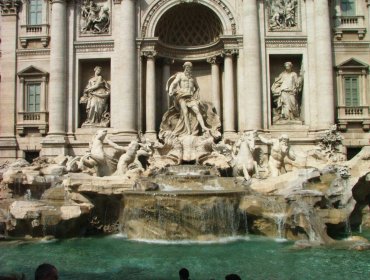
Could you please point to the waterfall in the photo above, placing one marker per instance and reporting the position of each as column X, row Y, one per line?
column 348, row 229
column 306, row 218
column 278, row 214
column 280, row 219
column 182, row 215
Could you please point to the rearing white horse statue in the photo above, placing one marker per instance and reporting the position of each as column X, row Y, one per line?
column 243, row 163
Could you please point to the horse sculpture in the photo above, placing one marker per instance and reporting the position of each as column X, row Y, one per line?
column 243, row 163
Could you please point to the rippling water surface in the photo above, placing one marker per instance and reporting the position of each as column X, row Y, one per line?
column 115, row 257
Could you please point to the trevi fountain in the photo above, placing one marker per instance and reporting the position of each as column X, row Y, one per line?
column 190, row 198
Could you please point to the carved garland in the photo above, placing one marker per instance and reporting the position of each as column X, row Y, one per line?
column 160, row 3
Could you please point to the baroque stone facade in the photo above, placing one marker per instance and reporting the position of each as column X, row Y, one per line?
column 69, row 68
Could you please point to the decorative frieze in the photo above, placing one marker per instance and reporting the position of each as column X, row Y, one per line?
column 10, row 7
column 94, row 46
column 286, row 43
column 32, row 52
column 355, row 45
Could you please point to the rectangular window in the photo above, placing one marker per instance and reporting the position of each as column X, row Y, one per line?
column 33, row 97
column 351, row 89
column 35, row 12
column 348, row 7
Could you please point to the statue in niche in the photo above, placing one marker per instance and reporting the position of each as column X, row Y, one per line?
column 283, row 14
column 286, row 95
column 96, row 96
column 279, row 151
column 188, row 115
column 94, row 18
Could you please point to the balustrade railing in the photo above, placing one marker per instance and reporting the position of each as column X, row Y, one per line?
column 349, row 24
column 355, row 112
column 34, row 32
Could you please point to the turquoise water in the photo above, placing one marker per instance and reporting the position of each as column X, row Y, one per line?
column 119, row 258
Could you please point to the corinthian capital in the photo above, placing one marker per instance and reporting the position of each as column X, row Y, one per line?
column 149, row 53
column 230, row 52
column 10, row 7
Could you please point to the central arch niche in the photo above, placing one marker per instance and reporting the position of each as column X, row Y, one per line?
column 189, row 25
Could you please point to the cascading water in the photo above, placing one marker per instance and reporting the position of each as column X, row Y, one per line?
column 280, row 219
column 182, row 215
column 278, row 214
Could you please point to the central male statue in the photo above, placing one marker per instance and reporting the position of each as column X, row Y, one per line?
column 188, row 115
column 185, row 89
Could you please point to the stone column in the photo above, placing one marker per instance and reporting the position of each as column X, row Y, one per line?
column 311, row 96
column 124, row 94
column 166, row 73
column 58, row 68
column 216, row 90
column 324, row 69
column 150, row 100
column 252, row 66
column 55, row 142
column 228, row 101
column 242, row 114
column 9, row 20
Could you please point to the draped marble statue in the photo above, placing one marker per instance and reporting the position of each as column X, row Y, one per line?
column 286, row 93
column 96, row 97
column 188, row 115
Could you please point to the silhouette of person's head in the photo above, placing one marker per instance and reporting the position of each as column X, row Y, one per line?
column 184, row 274
column 232, row 277
column 46, row 271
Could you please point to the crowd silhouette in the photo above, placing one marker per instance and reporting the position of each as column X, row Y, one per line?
column 48, row 271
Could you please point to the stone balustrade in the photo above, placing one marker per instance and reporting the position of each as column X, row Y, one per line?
column 38, row 120
column 354, row 24
column 353, row 114
column 38, row 32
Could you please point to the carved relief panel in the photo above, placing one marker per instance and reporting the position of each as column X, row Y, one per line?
column 283, row 15
column 95, row 17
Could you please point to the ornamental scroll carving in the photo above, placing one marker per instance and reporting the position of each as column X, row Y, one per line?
column 283, row 15
column 95, row 17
